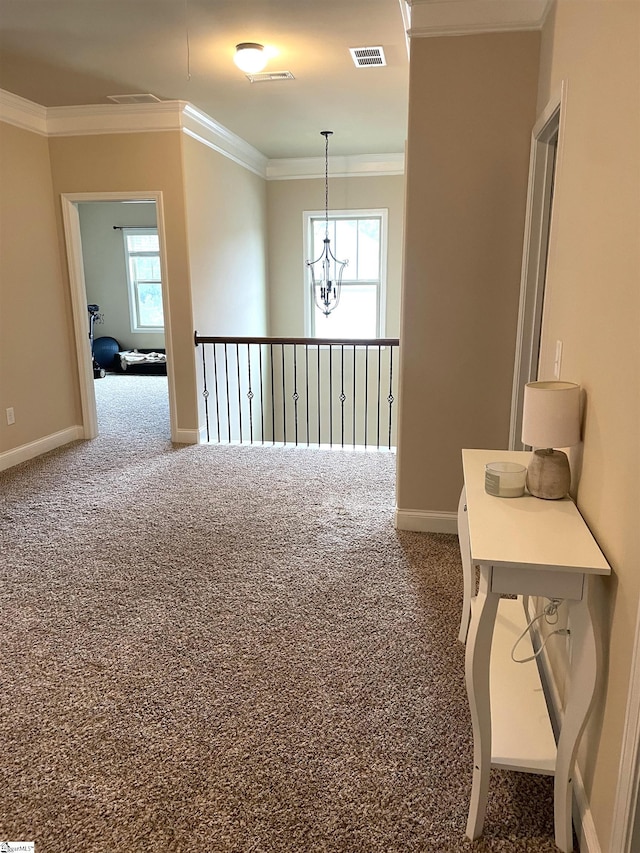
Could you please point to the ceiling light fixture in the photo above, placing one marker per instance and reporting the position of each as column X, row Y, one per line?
column 250, row 57
column 326, row 289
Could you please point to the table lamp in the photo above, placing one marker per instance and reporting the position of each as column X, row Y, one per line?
column 550, row 419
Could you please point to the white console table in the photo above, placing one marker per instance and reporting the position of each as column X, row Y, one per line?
column 525, row 547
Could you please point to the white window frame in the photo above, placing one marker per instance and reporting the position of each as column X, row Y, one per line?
column 359, row 213
column 134, row 312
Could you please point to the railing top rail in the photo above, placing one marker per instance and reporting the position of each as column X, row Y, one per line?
column 358, row 342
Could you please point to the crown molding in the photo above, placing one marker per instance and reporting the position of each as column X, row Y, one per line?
column 356, row 165
column 96, row 119
column 430, row 18
column 23, row 113
column 206, row 130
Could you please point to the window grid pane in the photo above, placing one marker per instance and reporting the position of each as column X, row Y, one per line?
column 355, row 317
column 149, row 305
column 145, row 282
column 142, row 243
column 357, row 240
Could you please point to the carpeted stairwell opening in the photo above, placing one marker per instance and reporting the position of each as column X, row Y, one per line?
column 216, row 649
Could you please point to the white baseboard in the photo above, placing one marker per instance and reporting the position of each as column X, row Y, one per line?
column 9, row 458
column 188, row 436
column 582, row 817
column 426, row 522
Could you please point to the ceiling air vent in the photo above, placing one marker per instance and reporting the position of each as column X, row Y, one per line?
column 270, row 76
column 364, row 57
column 133, row 99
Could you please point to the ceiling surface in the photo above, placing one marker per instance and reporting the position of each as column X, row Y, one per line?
column 71, row 52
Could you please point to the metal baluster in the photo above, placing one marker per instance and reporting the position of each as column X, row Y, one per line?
column 306, row 379
column 215, row 379
column 342, row 395
column 354, row 396
column 205, row 392
column 366, row 391
column 318, row 348
column 239, row 392
column 390, row 398
column 250, row 394
column 330, row 395
column 226, row 374
column 295, row 390
column 378, row 404
column 273, row 400
column 284, row 400
column 261, row 394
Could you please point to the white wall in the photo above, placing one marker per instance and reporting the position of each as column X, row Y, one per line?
column 105, row 268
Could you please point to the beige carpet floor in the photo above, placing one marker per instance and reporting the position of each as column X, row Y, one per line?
column 213, row 649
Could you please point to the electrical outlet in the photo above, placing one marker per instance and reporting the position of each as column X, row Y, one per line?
column 11, row 418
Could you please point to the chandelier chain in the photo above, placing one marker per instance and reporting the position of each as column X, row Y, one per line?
column 326, row 182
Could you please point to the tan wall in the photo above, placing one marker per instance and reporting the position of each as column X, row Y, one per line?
column 287, row 200
column 471, row 109
column 105, row 268
column 592, row 306
column 226, row 227
column 146, row 162
column 36, row 348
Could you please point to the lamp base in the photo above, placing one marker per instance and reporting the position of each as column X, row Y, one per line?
column 549, row 475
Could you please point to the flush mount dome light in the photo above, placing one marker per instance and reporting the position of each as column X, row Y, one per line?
column 250, row 57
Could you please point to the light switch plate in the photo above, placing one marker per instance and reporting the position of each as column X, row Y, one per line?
column 557, row 363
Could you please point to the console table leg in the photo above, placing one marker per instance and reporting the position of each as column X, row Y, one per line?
column 477, row 659
column 585, row 654
column 467, row 569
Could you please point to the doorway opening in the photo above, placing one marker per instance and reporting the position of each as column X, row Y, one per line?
column 99, row 276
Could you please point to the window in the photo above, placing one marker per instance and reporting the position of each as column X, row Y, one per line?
column 361, row 237
column 142, row 250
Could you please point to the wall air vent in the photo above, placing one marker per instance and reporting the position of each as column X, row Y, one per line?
column 270, row 76
column 133, row 99
column 365, row 57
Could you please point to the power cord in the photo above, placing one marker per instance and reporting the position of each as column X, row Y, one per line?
column 550, row 615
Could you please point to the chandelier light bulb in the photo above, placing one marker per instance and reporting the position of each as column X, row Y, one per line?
column 250, row 57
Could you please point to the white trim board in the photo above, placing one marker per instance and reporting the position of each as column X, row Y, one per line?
column 423, row 521
column 9, row 458
column 190, row 436
column 73, row 242
column 96, row 119
column 625, row 810
column 430, row 18
column 356, row 165
column 22, row 113
column 206, row 130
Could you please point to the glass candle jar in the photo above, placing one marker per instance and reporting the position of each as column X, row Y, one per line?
column 505, row 479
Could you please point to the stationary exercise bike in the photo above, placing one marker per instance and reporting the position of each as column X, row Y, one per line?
column 95, row 317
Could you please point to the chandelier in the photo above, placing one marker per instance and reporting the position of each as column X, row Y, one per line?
column 326, row 287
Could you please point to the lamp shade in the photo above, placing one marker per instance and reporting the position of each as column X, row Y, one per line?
column 250, row 57
column 551, row 414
